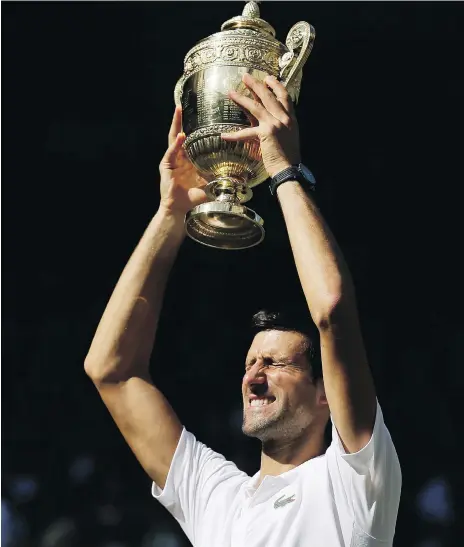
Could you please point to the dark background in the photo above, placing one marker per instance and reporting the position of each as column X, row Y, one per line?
column 87, row 100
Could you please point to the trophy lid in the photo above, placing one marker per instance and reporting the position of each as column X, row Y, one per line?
column 249, row 20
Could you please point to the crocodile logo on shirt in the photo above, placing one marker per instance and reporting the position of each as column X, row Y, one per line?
column 282, row 501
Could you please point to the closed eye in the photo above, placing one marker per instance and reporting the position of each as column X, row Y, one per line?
column 267, row 362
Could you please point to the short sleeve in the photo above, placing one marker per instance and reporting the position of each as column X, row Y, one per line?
column 200, row 483
column 368, row 482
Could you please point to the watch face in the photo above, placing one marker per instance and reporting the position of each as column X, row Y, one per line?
column 307, row 174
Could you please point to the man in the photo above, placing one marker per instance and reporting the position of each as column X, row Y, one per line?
column 303, row 495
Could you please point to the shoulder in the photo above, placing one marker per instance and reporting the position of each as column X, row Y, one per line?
column 378, row 452
column 365, row 479
column 198, row 467
column 201, row 486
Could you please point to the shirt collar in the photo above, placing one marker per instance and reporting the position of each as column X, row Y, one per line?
column 268, row 487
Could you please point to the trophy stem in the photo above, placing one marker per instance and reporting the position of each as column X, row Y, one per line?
column 229, row 190
column 226, row 192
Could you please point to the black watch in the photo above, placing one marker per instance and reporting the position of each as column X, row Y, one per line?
column 298, row 172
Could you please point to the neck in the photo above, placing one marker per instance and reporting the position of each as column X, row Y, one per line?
column 279, row 456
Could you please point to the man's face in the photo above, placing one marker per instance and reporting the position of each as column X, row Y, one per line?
column 280, row 400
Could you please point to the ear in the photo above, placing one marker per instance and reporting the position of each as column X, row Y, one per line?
column 320, row 393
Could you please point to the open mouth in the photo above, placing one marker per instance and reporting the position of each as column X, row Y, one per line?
column 257, row 402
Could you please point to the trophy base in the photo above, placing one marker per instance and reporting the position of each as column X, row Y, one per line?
column 224, row 225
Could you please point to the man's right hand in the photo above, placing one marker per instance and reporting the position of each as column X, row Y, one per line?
column 181, row 186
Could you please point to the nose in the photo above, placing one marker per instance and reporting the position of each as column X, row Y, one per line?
column 255, row 374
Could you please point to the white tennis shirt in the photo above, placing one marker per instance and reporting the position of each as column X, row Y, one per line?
column 336, row 499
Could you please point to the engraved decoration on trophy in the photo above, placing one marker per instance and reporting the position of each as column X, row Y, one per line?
column 212, row 68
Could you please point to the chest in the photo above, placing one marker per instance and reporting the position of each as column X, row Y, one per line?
column 278, row 515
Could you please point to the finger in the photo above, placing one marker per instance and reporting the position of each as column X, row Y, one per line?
column 281, row 93
column 170, row 157
column 255, row 97
column 267, row 97
column 255, row 108
column 253, row 120
column 250, row 133
column 176, row 125
column 200, row 182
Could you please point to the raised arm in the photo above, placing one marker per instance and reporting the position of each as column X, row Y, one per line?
column 323, row 273
column 329, row 292
column 118, row 359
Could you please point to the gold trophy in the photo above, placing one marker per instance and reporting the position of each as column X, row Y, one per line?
column 212, row 68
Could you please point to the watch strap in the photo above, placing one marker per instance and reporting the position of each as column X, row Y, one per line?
column 291, row 173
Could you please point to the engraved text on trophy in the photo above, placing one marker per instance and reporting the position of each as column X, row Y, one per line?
column 205, row 101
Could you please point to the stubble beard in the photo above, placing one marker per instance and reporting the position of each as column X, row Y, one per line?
column 282, row 425
column 264, row 427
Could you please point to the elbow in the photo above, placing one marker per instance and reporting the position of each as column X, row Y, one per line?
column 99, row 372
column 337, row 310
column 92, row 370
column 112, row 371
column 325, row 319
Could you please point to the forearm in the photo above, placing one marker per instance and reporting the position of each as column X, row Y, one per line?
column 322, row 270
column 125, row 336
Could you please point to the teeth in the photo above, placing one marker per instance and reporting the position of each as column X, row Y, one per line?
column 260, row 402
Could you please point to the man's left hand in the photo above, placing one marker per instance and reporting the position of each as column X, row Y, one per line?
column 274, row 123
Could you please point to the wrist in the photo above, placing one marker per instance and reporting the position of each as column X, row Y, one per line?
column 290, row 187
column 296, row 173
column 173, row 220
column 279, row 168
column 169, row 213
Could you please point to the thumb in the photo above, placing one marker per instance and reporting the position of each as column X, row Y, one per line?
column 197, row 196
column 170, row 157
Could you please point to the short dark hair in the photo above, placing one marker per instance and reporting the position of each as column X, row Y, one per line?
column 294, row 321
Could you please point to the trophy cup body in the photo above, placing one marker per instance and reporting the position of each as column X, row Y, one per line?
column 216, row 65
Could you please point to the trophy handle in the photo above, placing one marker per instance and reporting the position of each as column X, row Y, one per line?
column 178, row 89
column 300, row 37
